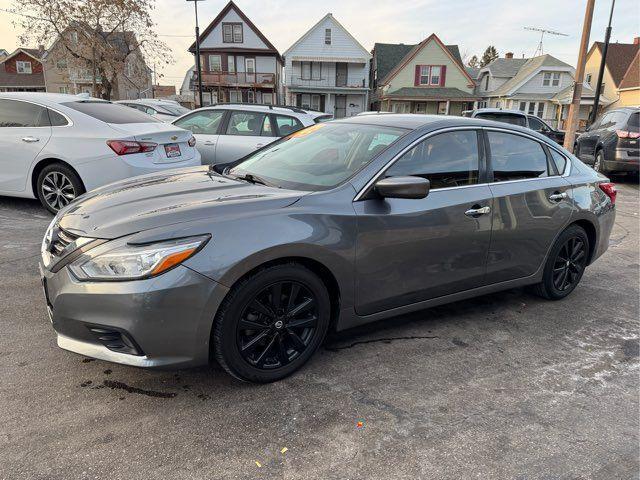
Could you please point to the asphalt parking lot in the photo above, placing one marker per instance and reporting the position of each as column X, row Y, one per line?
column 507, row 386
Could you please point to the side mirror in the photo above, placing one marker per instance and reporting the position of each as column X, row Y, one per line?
column 403, row 187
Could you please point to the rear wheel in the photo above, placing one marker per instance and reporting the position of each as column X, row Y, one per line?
column 57, row 185
column 598, row 164
column 565, row 265
column 271, row 323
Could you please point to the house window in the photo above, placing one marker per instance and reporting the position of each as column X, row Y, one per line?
column 532, row 108
column 523, row 106
column 327, row 36
column 250, row 65
column 316, row 68
column 305, row 70
column 231, row 64
column 486, row 82
column 235, row 96
column 215, row 63
column 23, row 67
column 64, row 89
column 540, row 110
column 128, row 68
column 305, row 100
column 435, row 75
column 430, row 74
column 315, row 102
column 232, row 32
column 551, row 79
column 589, row 78
column 267, row 98
column 251, row 96
column 62, row 63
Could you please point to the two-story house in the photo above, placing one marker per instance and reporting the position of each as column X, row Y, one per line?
column 425, row 78
column 619, row 58
column 541, row 86
column 21, row 71
column 130, row 77
column 327, row 70
column 238, row 63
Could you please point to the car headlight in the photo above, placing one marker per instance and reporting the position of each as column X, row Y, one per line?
column 122, row 261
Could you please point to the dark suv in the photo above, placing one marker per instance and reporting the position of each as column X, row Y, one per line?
column 516, row 117
column 611, row 143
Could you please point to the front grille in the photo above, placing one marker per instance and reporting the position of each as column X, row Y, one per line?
column 62, row 241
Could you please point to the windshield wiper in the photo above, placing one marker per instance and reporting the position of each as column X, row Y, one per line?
column 249, row 177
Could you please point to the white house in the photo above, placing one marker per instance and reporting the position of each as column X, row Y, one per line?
column 327, row 70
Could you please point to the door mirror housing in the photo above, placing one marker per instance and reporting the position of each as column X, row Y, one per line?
column 403, row 187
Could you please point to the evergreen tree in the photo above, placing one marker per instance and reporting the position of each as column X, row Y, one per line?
column 489, row 55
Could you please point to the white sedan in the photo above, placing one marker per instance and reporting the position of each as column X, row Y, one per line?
column 56, row 147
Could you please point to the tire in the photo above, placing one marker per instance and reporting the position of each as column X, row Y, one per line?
column 254, row 337
column 599, row 163
column 57, row 185
column 555, row 284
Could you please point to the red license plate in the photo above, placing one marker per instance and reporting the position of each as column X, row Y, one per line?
column 172, row 150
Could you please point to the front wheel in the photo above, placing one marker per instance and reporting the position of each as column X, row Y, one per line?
column 565, row 265
column 271, row 323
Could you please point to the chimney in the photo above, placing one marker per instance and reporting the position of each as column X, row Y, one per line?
column 636, row 41
column 41, row 50
column 508, row 55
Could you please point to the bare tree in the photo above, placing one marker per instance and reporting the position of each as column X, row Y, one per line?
column 98, row 35
column 473, row 62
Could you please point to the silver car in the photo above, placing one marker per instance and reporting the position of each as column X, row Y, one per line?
column 334, row 226
column 227, row 132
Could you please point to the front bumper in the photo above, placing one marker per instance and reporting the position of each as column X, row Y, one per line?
column 168, row 318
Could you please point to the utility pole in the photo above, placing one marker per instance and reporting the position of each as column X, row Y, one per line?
column 574, row 108
column 605, row 48
column 198, row 68
column 153, row 86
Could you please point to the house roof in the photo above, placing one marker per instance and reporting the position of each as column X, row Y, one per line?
column 32, row 52
column 389, row 55
column 619, row 57
column 631, row 78
column 451, row 50
column 472, row 72
column 505, row 67
column 527, row 70
column 18, row 79
column 228, row 7
column 565, row 96
column 333, row 19
column 428, row 93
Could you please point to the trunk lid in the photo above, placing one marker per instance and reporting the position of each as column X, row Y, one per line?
column 172, row 141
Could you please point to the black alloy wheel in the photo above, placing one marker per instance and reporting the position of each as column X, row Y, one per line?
column 271, row 323
column 565, row 264
column 569, row 264
column 277, row 325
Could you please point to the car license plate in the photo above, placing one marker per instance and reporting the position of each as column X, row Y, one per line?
column 172, row 150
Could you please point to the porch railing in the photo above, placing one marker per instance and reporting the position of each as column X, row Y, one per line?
column 234, row 78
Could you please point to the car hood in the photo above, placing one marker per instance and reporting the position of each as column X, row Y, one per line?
column 171, row 197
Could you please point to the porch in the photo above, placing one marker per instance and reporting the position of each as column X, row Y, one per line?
column 430, row 101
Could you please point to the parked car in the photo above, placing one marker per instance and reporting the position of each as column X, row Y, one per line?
column 516, row 117
column 165, row 110
column 337, row 225
column 55, row 147
column 227, row 132
column 612, row 142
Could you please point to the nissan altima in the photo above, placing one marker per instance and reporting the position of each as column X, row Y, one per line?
column 333, row 226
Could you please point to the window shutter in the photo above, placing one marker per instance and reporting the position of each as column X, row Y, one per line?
column 443, row 75
column 417, row 77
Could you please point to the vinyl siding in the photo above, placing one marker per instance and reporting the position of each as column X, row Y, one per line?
column 535, row 83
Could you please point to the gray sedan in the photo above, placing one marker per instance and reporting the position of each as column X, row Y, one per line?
column 334, row 226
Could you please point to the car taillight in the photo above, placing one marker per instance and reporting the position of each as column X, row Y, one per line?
column 126, row 147
column 627, row 134
column 610, row 191
column 192, row 142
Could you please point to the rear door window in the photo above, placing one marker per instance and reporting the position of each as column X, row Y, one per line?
column 514, row 157
column 17, row 114
column 504, row 118
column 56, row 119
column 245, row 123
column 287, row 125
column 110, row 112
column 204, row 122
column 446, row 160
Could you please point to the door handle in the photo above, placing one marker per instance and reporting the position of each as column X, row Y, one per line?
column 260, row 145
column 30, row 139
column 556, row 197
column 477, row 211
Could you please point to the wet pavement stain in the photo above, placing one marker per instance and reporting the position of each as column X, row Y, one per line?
column 631, row 348
column 87, row 360
column 107, row 371
column 86, row 383
column 380, row 340
column 115, row 385
column 459, row 343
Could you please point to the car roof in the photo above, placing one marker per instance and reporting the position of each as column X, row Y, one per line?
column 498, row 110
column 264, row 108
column 48, row 98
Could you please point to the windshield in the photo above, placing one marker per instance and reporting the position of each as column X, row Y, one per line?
column 319, row 157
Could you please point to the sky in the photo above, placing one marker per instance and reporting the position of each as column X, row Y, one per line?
column 471, row 24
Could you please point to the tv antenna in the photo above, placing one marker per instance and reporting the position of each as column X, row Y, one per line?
column 542, row 32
